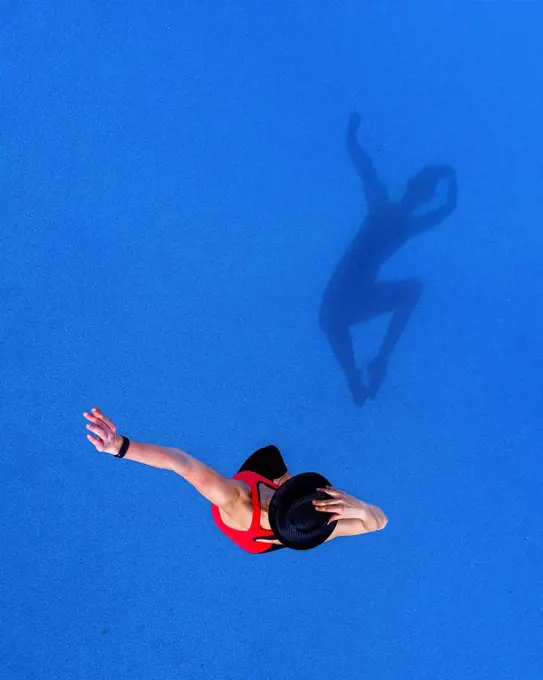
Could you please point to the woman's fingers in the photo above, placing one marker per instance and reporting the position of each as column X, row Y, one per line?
column 95, row 419
column 334, row 518
column 106, row 429
column 98, row 443
column 98, row 414
column 331, row 491
column 101, row 427
column 328, row 503
column 335, row 496
column 330, row 507
column 99, row 431
column 334, row 511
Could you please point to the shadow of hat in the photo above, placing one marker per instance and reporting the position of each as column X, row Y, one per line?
column 292, row 515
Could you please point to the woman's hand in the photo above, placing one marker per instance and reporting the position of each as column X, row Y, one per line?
column 341, row 505
column 106, row 439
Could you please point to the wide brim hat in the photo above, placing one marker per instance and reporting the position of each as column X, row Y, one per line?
column 292, row 515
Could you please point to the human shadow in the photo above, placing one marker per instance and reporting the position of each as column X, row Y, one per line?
column 354, row 295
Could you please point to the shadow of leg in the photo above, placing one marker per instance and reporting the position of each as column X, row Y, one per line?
column 399, row 297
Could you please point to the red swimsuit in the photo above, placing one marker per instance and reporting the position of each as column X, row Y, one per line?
column 246, row 539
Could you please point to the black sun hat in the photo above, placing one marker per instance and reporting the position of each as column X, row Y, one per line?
column 292, row 515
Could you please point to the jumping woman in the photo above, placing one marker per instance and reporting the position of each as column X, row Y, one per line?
column 354, row 295
column 263, row 507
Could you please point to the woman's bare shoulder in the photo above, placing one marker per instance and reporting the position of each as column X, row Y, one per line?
column 282, row 479
column 238, row 514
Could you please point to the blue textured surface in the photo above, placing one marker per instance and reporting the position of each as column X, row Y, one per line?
column 175, row 192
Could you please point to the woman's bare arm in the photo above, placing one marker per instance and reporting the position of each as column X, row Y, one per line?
column 371, row 518
column 353, row 515
column 219, row 490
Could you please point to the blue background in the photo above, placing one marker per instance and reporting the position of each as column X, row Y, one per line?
column 175, row 192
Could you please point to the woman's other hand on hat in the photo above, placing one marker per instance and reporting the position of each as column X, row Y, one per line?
column 105, row 437
column 342, row 505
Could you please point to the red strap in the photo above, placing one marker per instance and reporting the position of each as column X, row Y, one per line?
column 246, row 539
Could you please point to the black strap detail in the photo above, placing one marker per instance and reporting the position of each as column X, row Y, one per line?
column 124, row 447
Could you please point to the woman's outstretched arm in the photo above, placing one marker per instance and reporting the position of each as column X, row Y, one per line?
column 219, row 490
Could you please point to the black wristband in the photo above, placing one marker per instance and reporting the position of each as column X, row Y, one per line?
column 124, row 448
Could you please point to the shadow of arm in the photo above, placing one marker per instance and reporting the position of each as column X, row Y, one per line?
column 374, row 191
column 434, row 217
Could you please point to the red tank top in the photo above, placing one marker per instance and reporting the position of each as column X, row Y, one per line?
column 246, row 539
